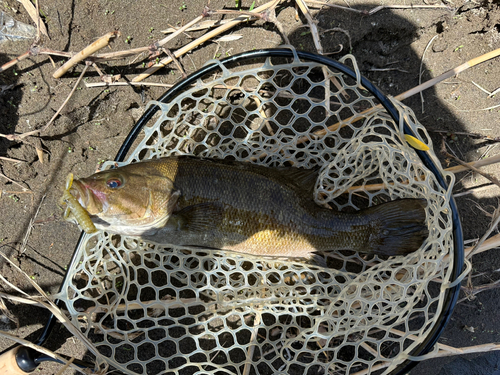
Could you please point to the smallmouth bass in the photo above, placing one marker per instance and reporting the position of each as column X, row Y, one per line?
column 242, row 207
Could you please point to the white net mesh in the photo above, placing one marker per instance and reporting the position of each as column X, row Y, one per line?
column 155, row 309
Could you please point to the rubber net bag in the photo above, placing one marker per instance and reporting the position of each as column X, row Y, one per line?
column 153, row 309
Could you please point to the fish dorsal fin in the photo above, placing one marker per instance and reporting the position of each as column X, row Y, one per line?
column 303, row 179
column 199, row 217
column 299, row 178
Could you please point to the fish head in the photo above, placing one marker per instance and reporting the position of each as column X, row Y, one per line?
column 128, row 199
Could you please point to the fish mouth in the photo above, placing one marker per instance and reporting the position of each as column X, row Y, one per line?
column 86, row 197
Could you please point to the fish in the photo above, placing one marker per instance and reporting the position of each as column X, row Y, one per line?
column 242, row 207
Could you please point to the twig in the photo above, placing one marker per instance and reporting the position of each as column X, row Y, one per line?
column 98, row 70
column 30, row 227
column 51, row 306
column 104, row 84
column 489, row 244
column 202, row 40
column 494, row 92
column 480, row 88
column 388, row 70
column 86, row 52
column 14, row 182
column 205, row 25
column 176, row 62
column 253, row 338
column 421, row 66
column 484, row 174
column 15, row 137
column 270, row 16
column 317, row 43
column 492, row 227
column 13, row 62
column 446, row 351
column 5, row 311
column 473, row 190
column 100, row 57
column 472, row 291
column 42, row 350
column 476, row 164
column 449, row 73
column 411, row 92
column 66, row 365
column 12, row 160
column 472, row 135
column 478, row 110
column 38, row 23
column 312, row 25
column 134, row 51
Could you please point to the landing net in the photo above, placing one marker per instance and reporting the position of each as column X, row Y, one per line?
column 153, row 309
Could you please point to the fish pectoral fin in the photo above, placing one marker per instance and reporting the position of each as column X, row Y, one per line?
column 199, row 218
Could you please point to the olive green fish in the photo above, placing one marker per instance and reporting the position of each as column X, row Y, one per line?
column 241, row 207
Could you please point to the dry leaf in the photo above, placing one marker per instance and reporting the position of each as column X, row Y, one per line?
column 229, row 38
column 39, row 152
column 30, row 8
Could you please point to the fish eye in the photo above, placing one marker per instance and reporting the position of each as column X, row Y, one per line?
column 114, row 183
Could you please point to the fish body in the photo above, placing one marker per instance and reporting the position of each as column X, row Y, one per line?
column 242, row 207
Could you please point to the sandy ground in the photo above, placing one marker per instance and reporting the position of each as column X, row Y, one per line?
column 388, row 46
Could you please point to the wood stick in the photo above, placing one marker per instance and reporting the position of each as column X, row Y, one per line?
column 202, row 40
column 86, row 52
column 13, row 62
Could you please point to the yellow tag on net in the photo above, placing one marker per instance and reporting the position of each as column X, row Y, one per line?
column 415, row 143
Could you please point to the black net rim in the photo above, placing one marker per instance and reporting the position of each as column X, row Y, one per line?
column 451, row 294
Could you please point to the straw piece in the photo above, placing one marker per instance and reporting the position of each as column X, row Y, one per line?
column 312, row 25
column 477, row 164
column 30, row 8
column 201, row 40
column 203, row 25
column 411, row 92
column 86, row 52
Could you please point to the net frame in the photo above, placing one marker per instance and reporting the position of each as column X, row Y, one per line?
column 399, row 114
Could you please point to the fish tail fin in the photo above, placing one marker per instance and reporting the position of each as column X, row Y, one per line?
column 397, row 228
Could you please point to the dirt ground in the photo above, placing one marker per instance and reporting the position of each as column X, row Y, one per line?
column 388, row 46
